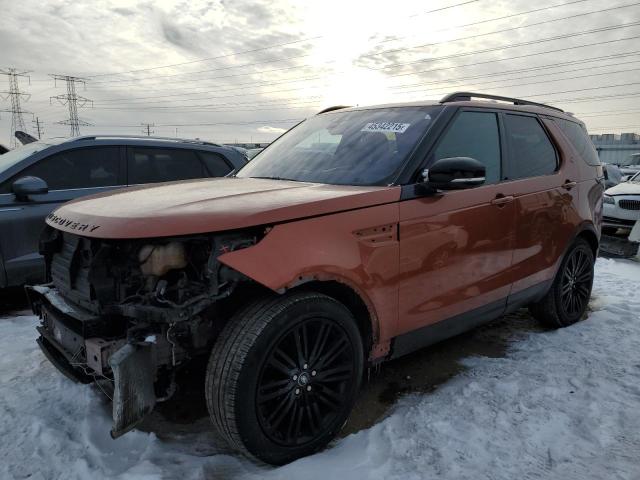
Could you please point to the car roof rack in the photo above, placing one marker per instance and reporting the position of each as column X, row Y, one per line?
column 145, row 137
column 331, row 109
column 466, row 96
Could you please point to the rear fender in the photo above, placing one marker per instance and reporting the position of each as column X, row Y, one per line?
column 357, row 248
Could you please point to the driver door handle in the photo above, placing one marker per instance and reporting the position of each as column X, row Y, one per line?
column 501, row 200
column 568, row 185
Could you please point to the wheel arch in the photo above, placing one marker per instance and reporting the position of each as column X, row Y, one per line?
column 588, row 233
column 353, row 301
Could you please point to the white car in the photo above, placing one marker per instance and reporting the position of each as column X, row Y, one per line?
column 622, row 205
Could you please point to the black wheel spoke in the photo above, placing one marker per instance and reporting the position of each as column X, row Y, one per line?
column 265, row 397
column 321, row 341
column 337, row 374
column 281, row 411
column 278, row 365
column 329, row 398
column 334, row 352
column 299, row 349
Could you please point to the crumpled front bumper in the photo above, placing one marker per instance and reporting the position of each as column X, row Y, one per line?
column 65, row 340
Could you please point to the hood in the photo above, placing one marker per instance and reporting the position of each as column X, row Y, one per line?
column 624, row 188
column 209, row 205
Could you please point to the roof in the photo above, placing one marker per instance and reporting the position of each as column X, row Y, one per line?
column 465, row 99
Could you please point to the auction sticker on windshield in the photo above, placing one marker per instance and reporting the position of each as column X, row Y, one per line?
column 385, row 127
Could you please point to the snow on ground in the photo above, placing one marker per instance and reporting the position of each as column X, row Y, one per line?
column 561, row 404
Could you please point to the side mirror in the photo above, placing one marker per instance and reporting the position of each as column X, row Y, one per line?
column 25, row 186
column 455, row 173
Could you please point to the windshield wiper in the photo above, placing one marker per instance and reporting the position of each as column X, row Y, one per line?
column 273, row 178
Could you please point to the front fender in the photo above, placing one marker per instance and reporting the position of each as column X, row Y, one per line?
column 358, row 248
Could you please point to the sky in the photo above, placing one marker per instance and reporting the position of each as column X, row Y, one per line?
column 246, row 70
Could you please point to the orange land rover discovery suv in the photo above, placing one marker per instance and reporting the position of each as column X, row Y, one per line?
column 360, row 235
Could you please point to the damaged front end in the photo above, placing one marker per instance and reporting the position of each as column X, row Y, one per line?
column 128, row 314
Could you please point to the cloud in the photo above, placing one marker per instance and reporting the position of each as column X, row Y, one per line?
column 269, row 129
column 352, row 62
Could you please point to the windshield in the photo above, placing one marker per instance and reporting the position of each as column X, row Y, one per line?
column 362, row 147
column 14, row 156
column 635, row 178
column 631, row 160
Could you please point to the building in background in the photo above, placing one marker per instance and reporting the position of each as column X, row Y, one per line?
column 616, row 148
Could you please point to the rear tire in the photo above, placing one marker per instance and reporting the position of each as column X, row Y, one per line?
column 567, row 299
column 283, row 376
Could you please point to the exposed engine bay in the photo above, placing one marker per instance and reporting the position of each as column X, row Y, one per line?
column 129, row 313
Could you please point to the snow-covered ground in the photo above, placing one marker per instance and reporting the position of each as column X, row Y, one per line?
column 561, row 404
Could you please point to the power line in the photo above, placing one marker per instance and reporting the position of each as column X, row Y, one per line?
column 242, row 52
column 514, row 45
column 73, row 101
column 517, row 57
column 510, row 29
column 387, row 51
column 399, row 87
column 489, row 20
column 531, row 69
column 548, row 80
column 14, row 94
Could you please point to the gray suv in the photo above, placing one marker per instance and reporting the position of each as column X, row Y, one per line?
column 36, row 178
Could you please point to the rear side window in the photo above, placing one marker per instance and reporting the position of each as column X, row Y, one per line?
column 578, row 137
column 475, row 135
column 78, row 168
column 215, row 164
column 151, row 165
column 531, row 153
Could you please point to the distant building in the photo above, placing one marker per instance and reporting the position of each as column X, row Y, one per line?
column 616, row 148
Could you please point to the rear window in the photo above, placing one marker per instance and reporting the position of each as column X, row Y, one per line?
column 578, row 137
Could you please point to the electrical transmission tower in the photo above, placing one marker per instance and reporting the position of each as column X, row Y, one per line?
column 147, row 128
column 38, row 127
column 17, row 122
column 73, row 101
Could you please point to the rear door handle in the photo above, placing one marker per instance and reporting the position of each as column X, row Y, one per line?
column 502, row 200
column 568, row 185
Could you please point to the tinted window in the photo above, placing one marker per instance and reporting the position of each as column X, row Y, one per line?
column 215, row 164
column 531, row 153
column 578, row 137
column 151, row 165
column 79, row 168
column 345, row 147
column 475, row 135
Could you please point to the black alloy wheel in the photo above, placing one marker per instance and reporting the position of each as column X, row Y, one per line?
column 575, row 285
column 283, row 376
column 566, row 301
column 302, row 383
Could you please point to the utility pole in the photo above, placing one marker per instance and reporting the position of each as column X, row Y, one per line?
column 73, row 101
column 39, row 129
column 147, row 128
column 17, row 122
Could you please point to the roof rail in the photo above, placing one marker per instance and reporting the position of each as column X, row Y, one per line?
column 331, row 109
column 145, row 137
column 466, row 96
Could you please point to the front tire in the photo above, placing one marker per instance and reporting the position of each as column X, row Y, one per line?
column 568, row 297
column 283, row 376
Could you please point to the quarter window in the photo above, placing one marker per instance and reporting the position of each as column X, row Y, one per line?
column 215, row 164
column 475, row 135
column 531, row 153
column 78, row 168
column 578, row 137
column 151, row 165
